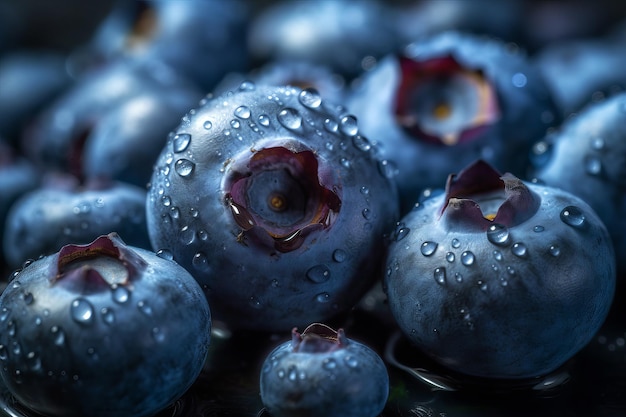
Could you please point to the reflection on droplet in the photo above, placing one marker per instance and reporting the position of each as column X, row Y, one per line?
column 318, row 273
column 310, row 98
column 108, row 316
column 348, row 125
column 120, row 294
column 243, row 112
column 440, row 275
column 519, row 249
column 467, row 258
column 498, row 234
column 184, row 167
column 81, row 311
column 555, row 250
column 428, row 248
column 181, row 142
column 290, row 118
column 573, row 216
column 339, row 255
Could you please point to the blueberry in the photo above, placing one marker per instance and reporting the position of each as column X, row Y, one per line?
column 587, row 157
column 92, row 105
column 275, row 203
column 200, row 39
column 102, row 329
column 341, row 35
column 449, row 99
column 41, row 221
column 321, row 372
column 30, row 81
column 500, row 278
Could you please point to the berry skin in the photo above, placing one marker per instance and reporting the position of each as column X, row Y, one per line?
column 41, row 221
column 323, row 373
column 447, row 100
column 276, row 205
column 102, row 329
column 587, row 157
column 499, row 278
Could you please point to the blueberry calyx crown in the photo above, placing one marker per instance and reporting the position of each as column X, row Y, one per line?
column 318, row 338
column 441, row 102
column 479, row 197
column 281, row 194
column 104, row 263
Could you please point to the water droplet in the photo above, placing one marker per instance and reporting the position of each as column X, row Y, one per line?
column 290, row 118
column 329, row 363
column 440, row 275
column 158, row 335
column 184, row 167
column 33, row 361
column 255, row 302
column 165, row 254
column 11, row 328
column 16, row 348
column 401, row 233
column 235, row 124
column 458, row 277
column 264, row 120
column 207, row 125
column 28, row 298
column 81, row 311
column 498, row 234
column 339, row 255
column 428, row 248
column 497, row 255
column 538, row 229
column 166, row 201
column 187, row 235
column 351, row 361
column 387, row 168
column 4, row 314
column 310, row 98
column 108, row 316
column 181, row 141
column 200, row 261
column 367, row 213
column 58, row 335
column 120, row 294
column 243, row 112
column 482, row 285
column 318, row 273
column 144, row 307
column 292, row 373
column 4, row 354
column 573, row 216
column 345, row 162
column 280, row 373
column 348, row 125
column 593, row 165
column 467, row 258
column 450, row 257
column 456, row 243
column 364, row 190
column 597, row 144
column 361, row 143
column 331, row 125
column 323, row 297
column 510, row 270
column 519, row 249
column 555, row 250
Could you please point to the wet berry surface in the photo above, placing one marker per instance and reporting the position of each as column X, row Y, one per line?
column 302, row 208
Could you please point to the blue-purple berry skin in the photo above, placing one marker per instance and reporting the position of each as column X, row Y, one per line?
column 226, row 201
column 103, row 329
column 323, row 373
column 511, row 296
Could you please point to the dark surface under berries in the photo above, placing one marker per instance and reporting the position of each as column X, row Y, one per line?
column 590, row 384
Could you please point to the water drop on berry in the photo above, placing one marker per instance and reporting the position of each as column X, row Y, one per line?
column 181, row 141
column 467, row 258
column 498, row 234
column 243, row 112
column 310, row 98
column 318, row 273
column 81, row 311
column 290, row 118
column 184, row 167
column 519, row 250
column 573, row 216
column 440, row 275
column 428, row 248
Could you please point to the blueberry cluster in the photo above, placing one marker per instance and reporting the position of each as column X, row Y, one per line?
column 184, row 182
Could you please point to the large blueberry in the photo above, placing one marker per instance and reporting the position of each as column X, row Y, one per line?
column 500, row 278
column 321, row 372
column 587, row 157
column 58, row 213
column 449, row 99
column 103, row 329
column 272, row 199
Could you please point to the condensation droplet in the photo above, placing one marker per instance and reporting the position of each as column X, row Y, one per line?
column 329, row 363
column 187, row 235
column 4, row 314
column 538, row 229
column 351, row 361
column 165, row 254
column 290, row 118
column 519, row 249
column 108, row 316
column 387, row 168
column 597, row 144
column 120, row 294
column 456, row 243
column 144, row 307
column 264, row 120
column 207, row 125
column 310, row 98
column 555, row 250
column 181, row 142
column 184, row 167
column 58, row 335
column 235, row 124
column 498, row 234
column 401, row 233
column 4, row 354
column 255, row 302
column 467, row 258
column 428, row 248
column 497, row 255
column 440, row 275
column 593, row 165
column 81, row 311
column 573, row 216
column 367, row 213
column 243, row 112
column 458, row 277
column 157, row 335
column 339, row 255
column 331, row 125
column 200, row 261
column 450, row 257
column 318, row 273
column 361, row 143
column 348, row 125
column 28, row 298
column 323, row 297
